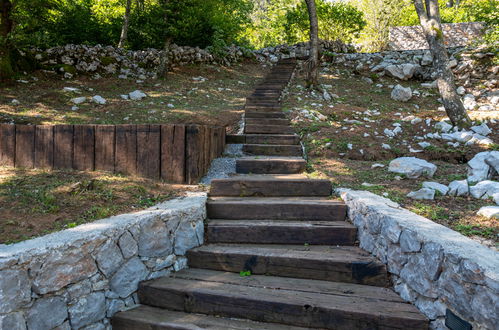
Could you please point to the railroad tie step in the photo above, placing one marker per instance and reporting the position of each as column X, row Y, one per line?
column 267, row 121
column 296, row 302
column 257, row 114
column 270, row 165
column 284, row 139
column 276, row 208
column 272, row 150
column 268, row 129
column 270, row 185
column 281, row 232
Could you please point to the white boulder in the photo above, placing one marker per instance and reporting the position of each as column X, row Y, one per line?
column 469, row 102
column 98, row 99
column 483, row 166
column 402, row 71
column 443, row 126
column 441, row 188
column 458, row 188
column 412, row 167
column 400, row 93
column 482, row 129
column 137, row 95
column 489, row 212
column 485, row 189
column 78, row 100
column 424, row 193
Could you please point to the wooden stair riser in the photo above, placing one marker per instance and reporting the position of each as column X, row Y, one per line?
column 280, row 210
column 273, row 150
column 256, row 114
column 263, row 139
column 264, row 166
column 267, row 232
column 267, row 121
column 268, row 129
column 364, row 271
column 249, row 187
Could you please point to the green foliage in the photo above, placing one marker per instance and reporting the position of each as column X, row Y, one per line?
column 245, row 273
column 285, row 21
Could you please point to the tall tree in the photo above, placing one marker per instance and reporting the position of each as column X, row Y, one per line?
column 429, row 17
column 6, row 26
column 312, row 64
column 164, row 64
column 126, row 24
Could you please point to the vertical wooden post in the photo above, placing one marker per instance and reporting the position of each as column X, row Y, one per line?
column 192, row 142
column 126, row 149
column 104, row 147
column 7, row 145
column 44, row 146
column 84, row 148
column 148, row 151
column 25, row 146
column 173, row 153
column 63, row 146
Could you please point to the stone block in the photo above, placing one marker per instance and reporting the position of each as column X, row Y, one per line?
column 47, row 313
column 88, row 310
column 15, row 290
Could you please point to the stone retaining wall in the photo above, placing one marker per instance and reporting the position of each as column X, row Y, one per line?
column 455, row 34
column 431, row 265
column 80, row 277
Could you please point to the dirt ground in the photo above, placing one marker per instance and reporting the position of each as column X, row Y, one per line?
column 37, row 202
column 343, row 146
column 181, row 98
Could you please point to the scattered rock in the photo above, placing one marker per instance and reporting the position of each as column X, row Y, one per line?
column 412, row 167
column 137, row 95
column 458, row 188
column 15, row 102
column 424, row 193
column 99, row 99
column 483, row 166
column 482, row 129
column 489, row 212
column 402, row 71
column 441, row 188
column 79, row 100
column 461, row 90
column 400, row 93
column 484, row 189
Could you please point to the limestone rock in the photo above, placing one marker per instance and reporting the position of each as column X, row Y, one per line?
column 402, row 71
column 424, row 193
column 109, row 258
column 126, row 280
column 79, row 100
column 137, row 95
column 127, row 245
column 154, row 240
column 15, row 290
column 47, row 313
column 441, row 188
column 482, row 129
column 99, row 99
column 479, row 168
column 88, row 310
column 484, row 189
column 412, row 167
column 188, row 236
column 402, row 94
column 489, row 212
column 12, row 321
column 458, row 188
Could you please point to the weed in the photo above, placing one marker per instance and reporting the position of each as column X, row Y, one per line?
column 245, row 273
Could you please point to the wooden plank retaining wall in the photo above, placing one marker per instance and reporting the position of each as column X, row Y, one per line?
column 174, row 153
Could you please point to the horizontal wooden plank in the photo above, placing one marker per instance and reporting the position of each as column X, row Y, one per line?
column 270, row 165
column 281, row 232
column 273, row 150
column 293, row 307
column 338, row 264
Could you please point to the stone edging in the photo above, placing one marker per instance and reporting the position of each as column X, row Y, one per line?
column 80, row 277
column 431, row 265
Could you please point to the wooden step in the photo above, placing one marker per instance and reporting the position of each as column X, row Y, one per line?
column 154, row 318
column 256, row 114
column 314, row 304
column 276, row 208
column 268, row 129
column 272, row 150
column 267, row 121
column 270, row 186
column 270, row 165
column 290, row 139
column 281, row 232
column 263, row 139
column 262, row 98
column 348, row 264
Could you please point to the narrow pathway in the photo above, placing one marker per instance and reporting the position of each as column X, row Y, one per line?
column 284, row 230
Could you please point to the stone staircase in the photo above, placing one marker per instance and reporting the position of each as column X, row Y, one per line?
column 284, row 230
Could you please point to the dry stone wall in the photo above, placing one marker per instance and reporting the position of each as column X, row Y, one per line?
column 80, row 277
column 431, row 265
column 455, row 35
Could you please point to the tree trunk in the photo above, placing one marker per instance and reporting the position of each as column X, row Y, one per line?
column 312, row 64
column 126, row 23
column 429, row 17
column 6, row 67
column 164, row 64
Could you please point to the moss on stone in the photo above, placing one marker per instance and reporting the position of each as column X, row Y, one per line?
column 107, row 60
